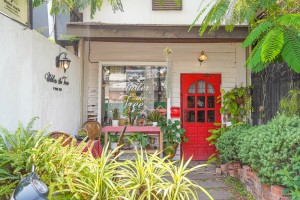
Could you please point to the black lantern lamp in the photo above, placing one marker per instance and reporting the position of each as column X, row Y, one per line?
column 31, row 188
column 64, row 62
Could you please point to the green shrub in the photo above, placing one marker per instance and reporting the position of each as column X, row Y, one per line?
column 291, row 176
column 268, row 148
column 227, row 144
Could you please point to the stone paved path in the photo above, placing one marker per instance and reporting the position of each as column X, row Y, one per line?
column 214, row 184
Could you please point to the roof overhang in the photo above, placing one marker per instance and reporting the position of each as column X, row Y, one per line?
column 93, row 31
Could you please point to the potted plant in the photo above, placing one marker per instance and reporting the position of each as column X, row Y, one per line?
column 82, row 135
column 115, row 121
column 113, row 141
column 154, row 117
column 138, row 139
column 173, row 135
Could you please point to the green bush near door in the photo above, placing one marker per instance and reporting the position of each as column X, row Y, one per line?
column 268, row 148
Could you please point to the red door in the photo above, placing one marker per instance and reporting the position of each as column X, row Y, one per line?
column 200, row 110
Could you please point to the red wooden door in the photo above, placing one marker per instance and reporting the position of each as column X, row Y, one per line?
column 200, row 110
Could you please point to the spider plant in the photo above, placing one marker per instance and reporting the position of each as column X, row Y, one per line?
column 95, row 178
column 141, row 177
column 180, row 187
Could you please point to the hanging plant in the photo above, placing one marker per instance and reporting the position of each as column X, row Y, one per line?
column 236, row 103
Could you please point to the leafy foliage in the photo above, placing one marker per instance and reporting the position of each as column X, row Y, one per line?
column 154, row 116
column 275, row 27
column 236, row 103
column 172, row 131
column 266, row 148
column 71, row 174
column 142, row 138
column 66, row 6
column 289, row 105
column 228, row 144
column 14, row 154
column 291, row 176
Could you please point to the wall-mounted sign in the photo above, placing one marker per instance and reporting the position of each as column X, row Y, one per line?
column 60, row 80
column 15, row 9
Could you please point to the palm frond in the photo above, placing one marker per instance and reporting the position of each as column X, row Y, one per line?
column 291, row 50
column 200, row 14
column 256, row 33
column 290, row 20
column 254, row 61
column 214, row 16
column 272, row 45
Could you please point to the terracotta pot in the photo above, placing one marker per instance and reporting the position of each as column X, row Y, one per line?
column 170, row 150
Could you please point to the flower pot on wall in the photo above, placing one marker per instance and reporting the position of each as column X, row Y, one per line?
column 115, row 122
column 154, row 123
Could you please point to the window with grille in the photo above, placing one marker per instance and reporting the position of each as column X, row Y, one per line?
column 166, row 5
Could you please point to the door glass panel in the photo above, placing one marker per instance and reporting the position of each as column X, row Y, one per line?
column 191, row 102
column 211, row 116
column 201, row 116
column 211, row 101
column 191, row 116
column 192, row 89
column 210, row 89
column 201, row 87
column 201, row 102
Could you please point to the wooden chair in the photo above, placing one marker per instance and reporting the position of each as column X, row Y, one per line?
column 93, row 129
column 67, row 139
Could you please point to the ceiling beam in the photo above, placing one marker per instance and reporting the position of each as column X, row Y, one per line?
column 152, row 33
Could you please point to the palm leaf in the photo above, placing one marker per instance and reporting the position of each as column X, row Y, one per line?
column 214, row 16
column 290, row 20
column 254, row 58
column 199, row 15
column 272, row 45
column 256, row 33
column 291, row 50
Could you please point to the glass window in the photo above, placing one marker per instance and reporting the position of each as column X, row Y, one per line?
column 201, row 116
column 191, row 116
column 192, row 89
column 134, row 89
column 211, row 101
column 191, row 102
column 201, row 102
column 210, row 89
column 211, row 116
column 201, row 87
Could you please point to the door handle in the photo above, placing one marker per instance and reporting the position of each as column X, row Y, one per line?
column 184, row 114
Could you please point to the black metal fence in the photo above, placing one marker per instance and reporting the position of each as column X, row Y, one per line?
column 270, row 86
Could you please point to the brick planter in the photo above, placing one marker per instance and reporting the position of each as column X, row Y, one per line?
column 224, row 168
column 258, row 190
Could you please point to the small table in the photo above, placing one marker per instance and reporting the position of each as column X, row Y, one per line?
column 149, row 130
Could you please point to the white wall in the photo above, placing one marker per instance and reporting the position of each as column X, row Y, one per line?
column 25, row 58
column 226, row 59
column 140, row 12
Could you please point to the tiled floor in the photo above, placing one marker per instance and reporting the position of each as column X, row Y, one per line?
column 207, row 179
